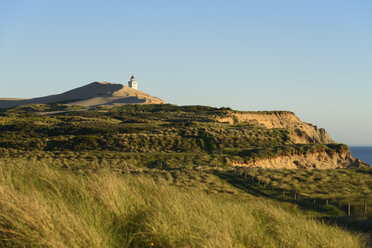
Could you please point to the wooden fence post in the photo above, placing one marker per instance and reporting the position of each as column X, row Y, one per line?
column 295, row 196
column 284, row 193
column 365, row 207
column 327, row 202
column 348, row 209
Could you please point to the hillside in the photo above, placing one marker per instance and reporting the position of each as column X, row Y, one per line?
column 94, row 94
column 42, row 206
column 255, row 139
column 160, row 175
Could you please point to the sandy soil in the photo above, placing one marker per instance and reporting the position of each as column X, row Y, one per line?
column 93, row 94
column 300, row 132
column 317, row 160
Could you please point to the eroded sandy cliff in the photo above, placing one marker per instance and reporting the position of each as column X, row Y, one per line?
column 317, row 160
column 301, row 132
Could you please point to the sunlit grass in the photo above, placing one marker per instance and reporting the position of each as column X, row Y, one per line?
column 349, row 184
column 47, row 207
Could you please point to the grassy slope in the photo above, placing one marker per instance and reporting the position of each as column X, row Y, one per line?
column 146, row 129
column 42, row 206
column 323, row 192
column 175, row 146
column 224, row 183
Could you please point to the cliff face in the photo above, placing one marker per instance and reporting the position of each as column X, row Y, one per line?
column 317, row 160
column 300, row 132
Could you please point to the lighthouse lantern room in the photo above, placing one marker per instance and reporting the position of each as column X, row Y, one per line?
column 133, row 83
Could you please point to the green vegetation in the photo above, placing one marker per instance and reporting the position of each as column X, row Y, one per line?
column 247, row 154
column 160, row 175
column 143, row 129
column 352, row 184
column 324, row 192
column 47, row 207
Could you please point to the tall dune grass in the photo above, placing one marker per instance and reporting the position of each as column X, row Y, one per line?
column 41, row 206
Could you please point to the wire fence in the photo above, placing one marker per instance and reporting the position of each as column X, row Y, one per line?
column 348, row 205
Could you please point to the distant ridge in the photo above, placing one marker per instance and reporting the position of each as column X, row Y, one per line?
column 93, row 94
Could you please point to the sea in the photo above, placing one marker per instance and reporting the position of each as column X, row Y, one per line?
column 364, row 153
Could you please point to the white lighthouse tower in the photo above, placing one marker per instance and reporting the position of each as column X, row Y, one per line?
column 133, row 83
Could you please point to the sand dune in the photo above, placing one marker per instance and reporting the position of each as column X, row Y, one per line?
column 93, row 94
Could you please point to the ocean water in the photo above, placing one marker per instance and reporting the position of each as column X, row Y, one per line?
column 364, row 153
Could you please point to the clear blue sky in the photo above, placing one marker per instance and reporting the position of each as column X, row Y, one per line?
column 312, row 57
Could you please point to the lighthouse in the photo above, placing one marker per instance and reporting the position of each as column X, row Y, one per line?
column 133, row 83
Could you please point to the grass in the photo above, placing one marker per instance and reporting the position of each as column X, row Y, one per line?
column 159, row 176
column 94, row 160
column 247, row 154
column 132, row 128
column 42, row 206
column 324, row 193
column 351, row 184
column 332, row 184
column 148, row 129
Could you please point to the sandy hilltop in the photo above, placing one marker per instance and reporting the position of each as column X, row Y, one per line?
column 93, row 94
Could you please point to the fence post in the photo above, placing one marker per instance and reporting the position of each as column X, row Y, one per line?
column 284, row 193
column 327, row 202
column 348, row 209
column 365, row 207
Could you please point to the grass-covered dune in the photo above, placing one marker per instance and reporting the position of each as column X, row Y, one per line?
column 131, row 128
column 42, row 206
column 167, row 129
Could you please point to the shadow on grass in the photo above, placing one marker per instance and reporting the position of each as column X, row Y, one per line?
column 360, row 223
column 253, row 187
column 329, row 213
column 357, row 223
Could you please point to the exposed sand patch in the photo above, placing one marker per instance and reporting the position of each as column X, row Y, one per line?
column 317, row 160
column 300, row 132
column 93, row 94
